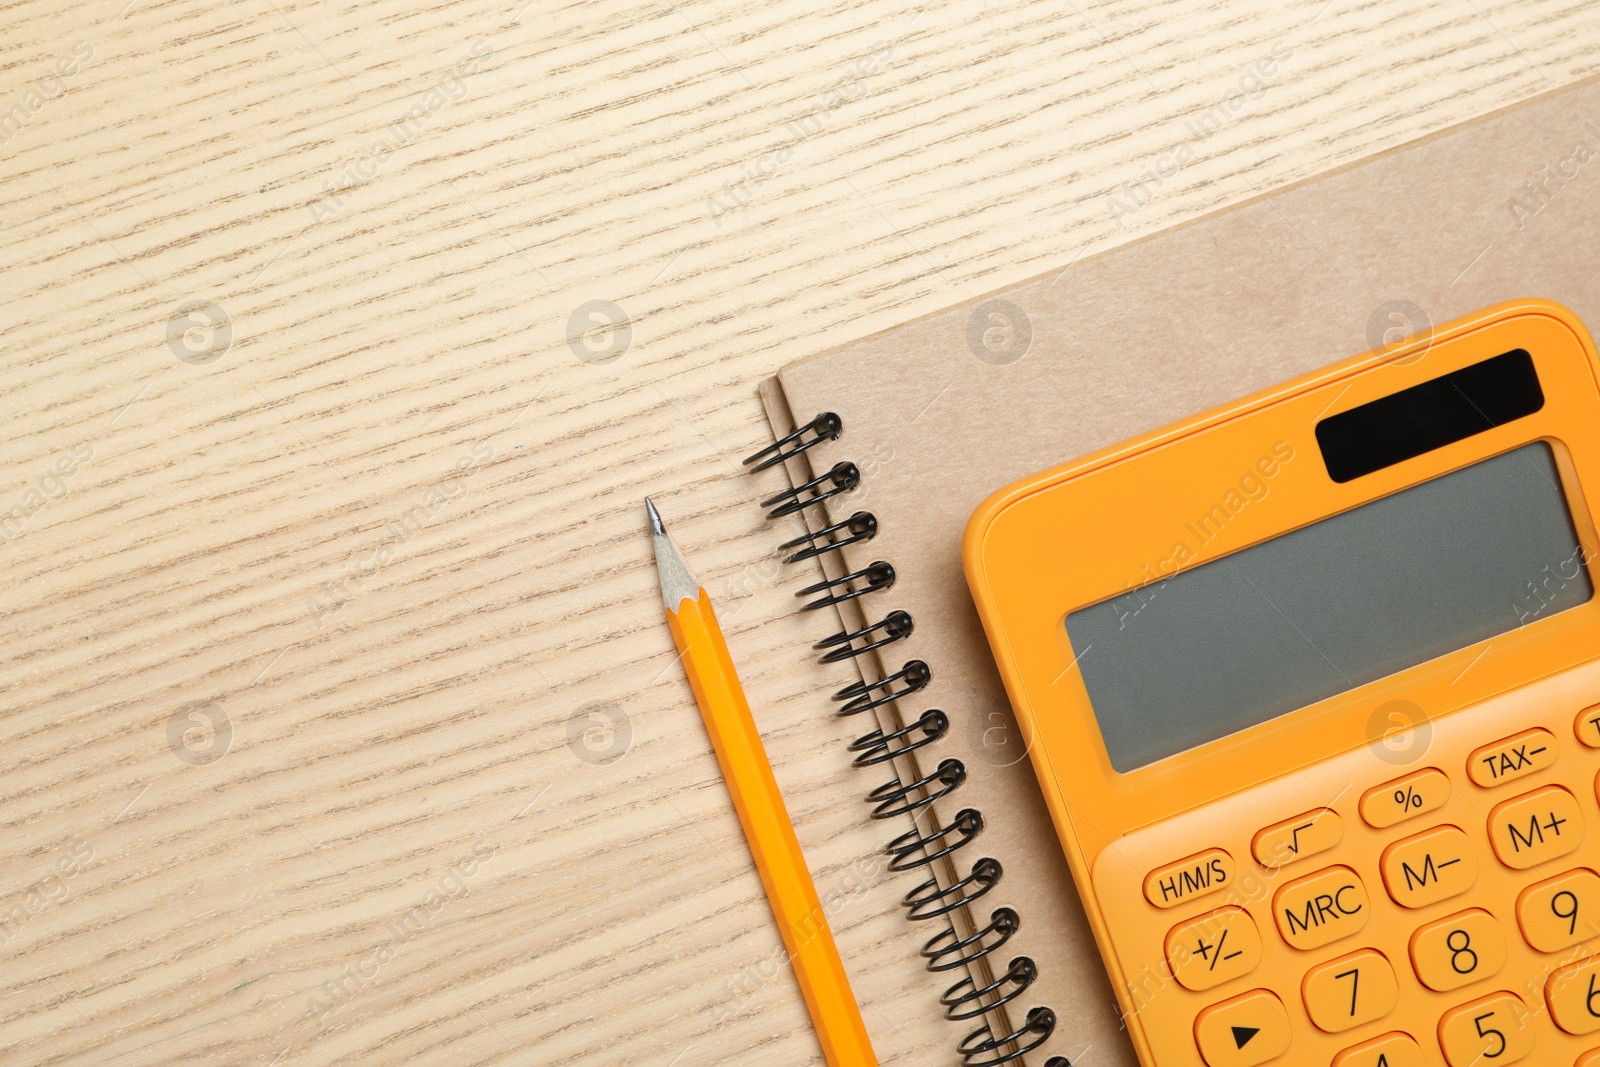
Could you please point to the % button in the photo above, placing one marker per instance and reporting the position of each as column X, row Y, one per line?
column 1393, row 802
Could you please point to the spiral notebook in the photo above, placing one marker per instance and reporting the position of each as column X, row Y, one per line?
column 891, row 442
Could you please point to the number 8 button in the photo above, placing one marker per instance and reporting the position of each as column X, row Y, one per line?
column 1458, row 951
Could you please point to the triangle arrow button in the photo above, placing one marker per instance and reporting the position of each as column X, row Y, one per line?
column 1243, row 1034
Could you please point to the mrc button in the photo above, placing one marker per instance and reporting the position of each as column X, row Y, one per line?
column 1321, row 908
column 1181, row 882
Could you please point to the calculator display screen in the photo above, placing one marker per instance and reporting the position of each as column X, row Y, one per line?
column 1343, row 602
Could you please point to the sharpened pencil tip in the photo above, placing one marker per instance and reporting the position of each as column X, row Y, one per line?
column 678, row 583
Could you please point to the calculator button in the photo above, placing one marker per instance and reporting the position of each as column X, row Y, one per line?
column 1514, row 757
column 1390, row 1050
column 1404, row 798
column 1495, row 1030
column 1587, row 727
column 1458, row 951
column 1321, row 908
column 1350, row 991
column 1213, row 948
column 1249, row 1029
column 1181, row 882
column 1536, row 827
column 1574, row 997
column 1560, row 912
column 1295, row 839
column 1432, row 866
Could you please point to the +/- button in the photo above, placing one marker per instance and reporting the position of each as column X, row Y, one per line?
column 1432, row 866
column 1514, row 757
column 1390, row 1050
column 1404, row 798
column 1213, row 949
column 1497, row 1029
column 1249, row 1029
column 1181, row 882
column 1294, row 839
column 1455, row 952
column 1561, row 911
column 1536, row 827
column 1321, row 908
column 1350, row 991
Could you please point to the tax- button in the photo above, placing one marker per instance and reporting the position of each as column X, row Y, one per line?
column 1587, row 727
column 1573, row 994
column 1560, row 912
column 1536, row 827
column 1214, row 948
column 1390, row 1050
column 1404, row 798
column 1432, row 866
column 1514, row 757
column 1497, row 1029
column 1249, row 1029
column 1294, row 839
column 1320, row 908
column 1181, row 882
column 1350, row 991
column 1450, row 953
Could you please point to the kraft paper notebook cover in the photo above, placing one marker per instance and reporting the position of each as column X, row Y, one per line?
column 938, row 413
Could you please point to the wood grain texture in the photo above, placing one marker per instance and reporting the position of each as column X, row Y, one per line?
column 310, row 647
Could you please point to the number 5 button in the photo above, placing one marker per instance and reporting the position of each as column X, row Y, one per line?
column 1574, row 997
column 1495, row 1030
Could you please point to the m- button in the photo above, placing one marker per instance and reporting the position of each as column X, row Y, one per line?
column 1432, row 866
column 1321, row 908
column 1514, row 757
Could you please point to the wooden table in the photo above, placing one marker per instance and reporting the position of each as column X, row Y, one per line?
column 340, row 722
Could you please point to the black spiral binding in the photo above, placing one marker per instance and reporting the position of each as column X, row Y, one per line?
column 947, row 950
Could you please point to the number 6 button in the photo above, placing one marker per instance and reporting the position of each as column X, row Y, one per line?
column 1574, row 997
column 1495, row 1030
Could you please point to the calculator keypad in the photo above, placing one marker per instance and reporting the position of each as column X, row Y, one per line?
column 1492, row 918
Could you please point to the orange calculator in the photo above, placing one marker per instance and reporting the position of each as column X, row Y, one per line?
column 1312, row 688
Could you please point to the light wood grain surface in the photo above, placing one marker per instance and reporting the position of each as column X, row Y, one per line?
column 340, row 724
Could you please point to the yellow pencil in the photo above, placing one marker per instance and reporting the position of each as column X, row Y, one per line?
column 755, row 796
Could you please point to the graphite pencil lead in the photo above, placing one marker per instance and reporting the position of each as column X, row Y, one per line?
column 678, row 583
